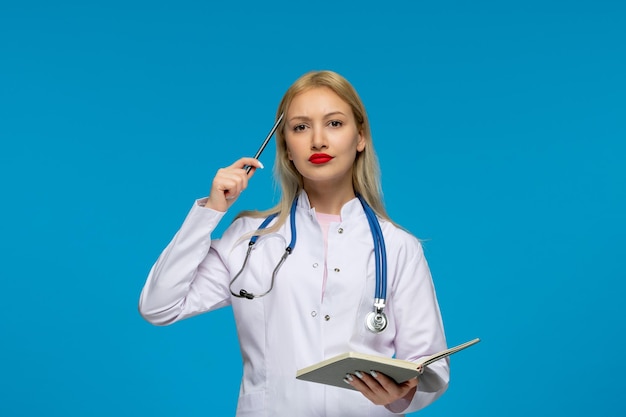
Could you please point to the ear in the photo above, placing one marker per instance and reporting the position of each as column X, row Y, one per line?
column 289, row 155
column 360, row 145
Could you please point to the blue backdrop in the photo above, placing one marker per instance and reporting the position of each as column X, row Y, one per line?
column 501, row 132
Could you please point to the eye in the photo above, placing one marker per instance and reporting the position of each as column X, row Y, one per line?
column 335, row 123
column 299, row 128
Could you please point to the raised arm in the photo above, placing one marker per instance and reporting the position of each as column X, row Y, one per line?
column 190, row 277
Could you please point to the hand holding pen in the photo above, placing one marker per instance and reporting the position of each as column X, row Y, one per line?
column 230, row 181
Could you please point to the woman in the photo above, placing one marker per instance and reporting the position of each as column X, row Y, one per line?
column 320, row 295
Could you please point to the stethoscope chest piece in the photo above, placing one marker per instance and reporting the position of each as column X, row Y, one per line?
column 376, row 321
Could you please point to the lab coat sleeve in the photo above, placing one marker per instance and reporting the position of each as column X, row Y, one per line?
column 419, row 326
column 189, row 277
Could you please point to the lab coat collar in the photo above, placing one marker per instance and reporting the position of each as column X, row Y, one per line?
column 352, row 209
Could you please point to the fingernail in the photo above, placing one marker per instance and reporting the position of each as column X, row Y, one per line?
column 374, row 374
column 348, row 378
column 261, row 165
column 347, row 381
column 359, row 374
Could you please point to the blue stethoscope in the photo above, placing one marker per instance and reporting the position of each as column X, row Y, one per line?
column 376, row 320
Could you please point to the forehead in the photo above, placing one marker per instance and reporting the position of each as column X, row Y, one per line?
column 316, row 100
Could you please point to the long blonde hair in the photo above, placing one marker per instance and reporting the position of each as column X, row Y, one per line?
column 366, row 172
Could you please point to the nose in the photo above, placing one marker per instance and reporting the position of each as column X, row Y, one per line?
column 318, row 140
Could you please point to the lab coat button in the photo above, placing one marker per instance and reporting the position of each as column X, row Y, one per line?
column 326, row 317
column 313, row 313
column 337, row 269
column 340, row 230
column 315, row 265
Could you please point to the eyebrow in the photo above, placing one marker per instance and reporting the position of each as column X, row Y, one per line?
column 327, row 115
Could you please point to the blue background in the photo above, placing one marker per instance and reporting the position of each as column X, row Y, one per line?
column 501, row 131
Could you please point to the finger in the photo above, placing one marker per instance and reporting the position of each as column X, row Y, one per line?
column 359, row 385
column 379, row 388
column 229, row 182
column 368, row 386
column 369, row 380
column 226, row 187
column 234, row 177
column 246, row 162
column 391, row 386
column 240, row 171
column 234, row 180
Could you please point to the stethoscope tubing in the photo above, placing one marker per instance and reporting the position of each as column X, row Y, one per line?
column 380, row 250
column 376, row 321
column 288, row 250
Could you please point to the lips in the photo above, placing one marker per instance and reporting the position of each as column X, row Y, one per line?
column 319, row 158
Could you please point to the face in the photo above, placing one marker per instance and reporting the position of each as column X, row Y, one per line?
column 322, row 137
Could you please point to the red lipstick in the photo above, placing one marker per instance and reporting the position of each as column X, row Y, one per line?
column 320, row 158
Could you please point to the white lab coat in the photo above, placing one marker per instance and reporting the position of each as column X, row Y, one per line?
column 297, row 324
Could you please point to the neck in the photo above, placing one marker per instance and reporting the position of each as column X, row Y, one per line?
column 329, row 199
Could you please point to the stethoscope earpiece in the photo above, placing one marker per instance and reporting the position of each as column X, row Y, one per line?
column 245, row 294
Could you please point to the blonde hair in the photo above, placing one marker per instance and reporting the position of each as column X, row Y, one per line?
column 366, row 172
